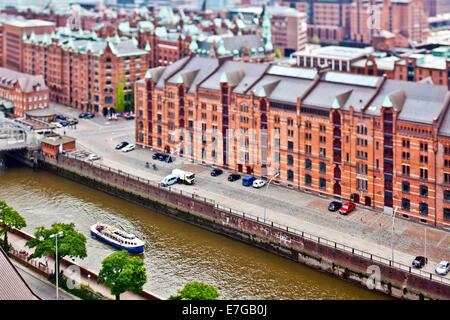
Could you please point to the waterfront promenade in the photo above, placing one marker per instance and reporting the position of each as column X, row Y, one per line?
column 364, row 229
column 46, row 267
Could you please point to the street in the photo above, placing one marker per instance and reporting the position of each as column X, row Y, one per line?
column 363, row 229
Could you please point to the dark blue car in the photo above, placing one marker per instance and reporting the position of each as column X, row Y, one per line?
column 248, row 180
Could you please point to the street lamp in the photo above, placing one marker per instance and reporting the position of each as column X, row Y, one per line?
column 393, row 217
column 267, row 188
column 89, row 280
column 56, row 235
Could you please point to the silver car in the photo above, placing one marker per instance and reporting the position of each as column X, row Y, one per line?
column 93, row 157
column 443, row 268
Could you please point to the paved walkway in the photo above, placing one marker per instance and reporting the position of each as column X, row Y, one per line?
column 363, row 229
column 18, row 244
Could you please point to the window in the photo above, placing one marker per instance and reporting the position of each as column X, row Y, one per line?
column 290, row 145
column 290, row 175
column 447, row 195
column 322, row 167
column 159, row 130
column 308, row 164
column 405, row 187
column 447, row 214
column 423, row 191
column 308, row 183
column 405, row 204
column 423, row 208
column 405, row 170
column 290, row 160
column 423, row 173
column 322, row 183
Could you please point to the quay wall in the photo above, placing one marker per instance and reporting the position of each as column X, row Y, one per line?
column 349, row 264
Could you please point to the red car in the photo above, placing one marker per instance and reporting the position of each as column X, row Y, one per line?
column 347, row 208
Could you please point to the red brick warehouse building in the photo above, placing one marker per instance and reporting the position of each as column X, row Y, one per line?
column 363, row 138
column 82, row 71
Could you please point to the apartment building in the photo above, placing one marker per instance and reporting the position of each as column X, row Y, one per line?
column 367, row 139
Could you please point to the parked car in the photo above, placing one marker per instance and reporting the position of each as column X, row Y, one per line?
column 233, row 177
column 419, row 262
column 56, row 124
column 347, row 208
column 169, row 180
column 155, row 156
column 64, row 123
column 443, row 268
column 258, row 183
column 129, row 147
column 86, row 115
column 121, row 145
column 128, row 116
column 216, row 172
column 60, row 117
column 248, row 180
column 93, row 157
column 334, row 206
column 164, row 157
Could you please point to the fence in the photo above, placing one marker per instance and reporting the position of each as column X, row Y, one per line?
column 272, row 224
column 21, row 256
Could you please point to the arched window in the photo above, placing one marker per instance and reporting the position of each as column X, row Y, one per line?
column 290, row 175
column 322, row 167
column 308, row 164
column 308, row 180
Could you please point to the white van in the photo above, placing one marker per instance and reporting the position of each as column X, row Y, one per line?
column 169, row 180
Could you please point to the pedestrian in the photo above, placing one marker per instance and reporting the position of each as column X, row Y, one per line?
column 46, row 262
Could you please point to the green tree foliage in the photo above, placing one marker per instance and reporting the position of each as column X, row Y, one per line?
column 71, row 244
column 196, row 291
column 9, row 218
column 120, row 96
column 278, row 53
column 129, row 105
column 122, row 272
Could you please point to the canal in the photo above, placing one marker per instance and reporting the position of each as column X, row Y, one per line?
column 176, row 252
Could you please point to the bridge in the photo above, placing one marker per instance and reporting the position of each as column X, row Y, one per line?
column 13, row 135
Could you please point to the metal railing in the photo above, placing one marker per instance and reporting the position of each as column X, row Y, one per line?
column 272, row 224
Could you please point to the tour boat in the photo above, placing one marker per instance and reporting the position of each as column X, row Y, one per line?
column 118, row 238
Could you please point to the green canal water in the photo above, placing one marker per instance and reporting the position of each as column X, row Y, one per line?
column 176, row 253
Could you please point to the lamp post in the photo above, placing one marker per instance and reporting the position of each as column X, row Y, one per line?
column 265, row 193
column 393, row 218
column 89, row 280
column 56, row 235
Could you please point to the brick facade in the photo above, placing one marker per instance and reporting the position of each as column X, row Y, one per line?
column 332, row 134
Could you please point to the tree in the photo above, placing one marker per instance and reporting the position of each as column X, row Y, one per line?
column 120, row 97
column 277, row 53
column 196, row 291
column 122, row 272
column 9, row 218
column 71, row 244
column 129, row 105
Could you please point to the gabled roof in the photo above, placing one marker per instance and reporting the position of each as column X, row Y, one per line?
column 27, row 82
column 239, row 75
